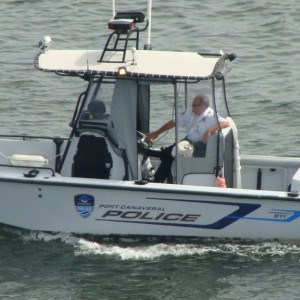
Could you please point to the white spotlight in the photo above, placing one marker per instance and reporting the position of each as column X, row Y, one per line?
column 45, row 42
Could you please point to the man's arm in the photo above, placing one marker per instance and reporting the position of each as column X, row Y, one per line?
column 154, row 134
column 212, row 129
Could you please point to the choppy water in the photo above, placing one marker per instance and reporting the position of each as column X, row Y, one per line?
column 264, row 101
column 44, row 266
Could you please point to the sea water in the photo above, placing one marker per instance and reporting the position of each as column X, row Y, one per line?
column 264, row 102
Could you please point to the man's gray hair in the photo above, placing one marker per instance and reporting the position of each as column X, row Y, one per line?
column 203, row 100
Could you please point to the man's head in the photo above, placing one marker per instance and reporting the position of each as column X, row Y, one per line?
column 200, row 104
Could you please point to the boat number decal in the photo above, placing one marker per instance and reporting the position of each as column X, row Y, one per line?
column 278, row 215
column 84, row 204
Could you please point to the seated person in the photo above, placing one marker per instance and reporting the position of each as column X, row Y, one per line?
column 199, row 124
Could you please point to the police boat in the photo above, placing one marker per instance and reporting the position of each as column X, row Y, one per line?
column 99, row 180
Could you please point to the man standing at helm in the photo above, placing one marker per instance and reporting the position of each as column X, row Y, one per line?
column 199, row 123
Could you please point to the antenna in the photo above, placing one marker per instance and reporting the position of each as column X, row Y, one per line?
column 87, row 61
column 113, row 8
column 133, row 51
column 148, row 45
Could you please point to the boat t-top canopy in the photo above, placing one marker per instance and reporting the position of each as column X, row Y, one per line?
column 141, row 64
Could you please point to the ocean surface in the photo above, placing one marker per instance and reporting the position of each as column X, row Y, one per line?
column 263, row 97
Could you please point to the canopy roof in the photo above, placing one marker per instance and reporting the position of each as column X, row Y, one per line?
column 147, row 64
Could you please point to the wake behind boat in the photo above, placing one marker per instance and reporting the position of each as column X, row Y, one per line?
column 99, row 180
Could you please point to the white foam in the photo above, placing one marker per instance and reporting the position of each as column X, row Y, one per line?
column 48, row 237
column 148, row 252
column 140, row 251
column 137, row 252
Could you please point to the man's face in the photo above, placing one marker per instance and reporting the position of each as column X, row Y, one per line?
column 198, row 109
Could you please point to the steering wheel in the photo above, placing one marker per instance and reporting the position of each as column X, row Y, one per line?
column 146, row 147
column 141, row 138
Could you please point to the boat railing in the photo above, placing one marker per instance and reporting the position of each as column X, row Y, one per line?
column 25, row 137
column 33, row 171
column 33, row 145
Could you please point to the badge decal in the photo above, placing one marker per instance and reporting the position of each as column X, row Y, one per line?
column 84, row 204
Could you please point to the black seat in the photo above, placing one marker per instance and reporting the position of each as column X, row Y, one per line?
column 92, row 159
column 97, row 109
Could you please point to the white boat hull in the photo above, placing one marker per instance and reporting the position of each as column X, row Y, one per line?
column 127, row 208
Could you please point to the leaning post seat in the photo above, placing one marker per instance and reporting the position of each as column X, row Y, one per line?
column 202, row 170
column 92, row 159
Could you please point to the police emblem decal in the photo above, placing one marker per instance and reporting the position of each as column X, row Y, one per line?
column 84, row 204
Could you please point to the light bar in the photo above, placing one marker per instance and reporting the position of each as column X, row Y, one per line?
column 121, row 24
column 137, row 16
